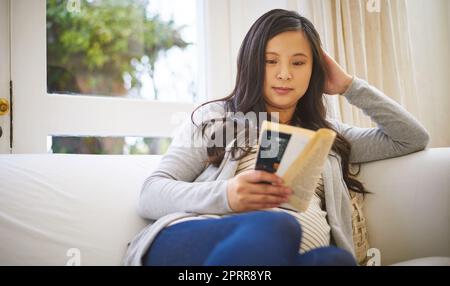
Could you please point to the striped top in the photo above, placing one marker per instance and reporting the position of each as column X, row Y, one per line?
column 315, row 228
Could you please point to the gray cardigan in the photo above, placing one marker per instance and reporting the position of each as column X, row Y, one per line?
column 183, row 185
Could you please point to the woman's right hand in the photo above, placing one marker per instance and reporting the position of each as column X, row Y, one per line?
column 248, row 191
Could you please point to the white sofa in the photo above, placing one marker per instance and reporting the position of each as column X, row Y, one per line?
column 81, row 209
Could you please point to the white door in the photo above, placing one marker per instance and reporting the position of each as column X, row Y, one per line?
column 5, row 113
column 39, row 114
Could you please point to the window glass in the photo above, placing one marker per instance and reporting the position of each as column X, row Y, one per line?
column 107, row 145
column 143, row 49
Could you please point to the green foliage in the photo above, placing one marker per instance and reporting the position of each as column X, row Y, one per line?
column 98, row 44
column 108, row 145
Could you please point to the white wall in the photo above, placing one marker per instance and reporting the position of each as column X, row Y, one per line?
column 430, row 37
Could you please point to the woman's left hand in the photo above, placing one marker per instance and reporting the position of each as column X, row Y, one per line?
column 337, row 80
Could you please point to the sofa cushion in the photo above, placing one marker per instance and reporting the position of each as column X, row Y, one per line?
column 60, row 209
column 426, row 261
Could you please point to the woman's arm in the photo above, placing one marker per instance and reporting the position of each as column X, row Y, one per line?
column 398, row 132
column 171, row 187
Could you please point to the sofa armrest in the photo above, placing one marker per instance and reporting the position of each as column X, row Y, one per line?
column 408, row 215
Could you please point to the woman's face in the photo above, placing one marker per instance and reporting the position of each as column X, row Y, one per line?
column 288, row 66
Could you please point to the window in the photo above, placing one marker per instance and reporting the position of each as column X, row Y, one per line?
column 80, row 71
column 123, row 48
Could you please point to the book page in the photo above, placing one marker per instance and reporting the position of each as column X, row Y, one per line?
column 304, row 173
column 296, row 145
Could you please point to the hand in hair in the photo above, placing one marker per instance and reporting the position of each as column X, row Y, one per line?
column 255, row 190
column 337, row 80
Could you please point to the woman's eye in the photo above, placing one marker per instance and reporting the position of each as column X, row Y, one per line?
column 270, row 62
column 299, row 63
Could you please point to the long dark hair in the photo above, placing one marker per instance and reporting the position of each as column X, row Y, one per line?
column 247, row 95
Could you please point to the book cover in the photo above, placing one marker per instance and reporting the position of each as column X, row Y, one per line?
column 297, row 155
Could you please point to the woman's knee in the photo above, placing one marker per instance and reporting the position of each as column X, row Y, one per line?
column 278, row 222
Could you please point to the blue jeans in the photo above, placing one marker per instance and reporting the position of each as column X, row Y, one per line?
column 259, row 238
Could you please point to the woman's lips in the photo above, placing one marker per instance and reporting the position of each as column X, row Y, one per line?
column 282, row 90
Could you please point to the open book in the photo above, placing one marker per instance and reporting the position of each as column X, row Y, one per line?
column 297, row 155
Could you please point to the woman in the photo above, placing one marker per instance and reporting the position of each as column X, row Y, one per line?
column 207, row 204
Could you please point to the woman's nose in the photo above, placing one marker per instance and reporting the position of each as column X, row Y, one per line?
column 284, row 73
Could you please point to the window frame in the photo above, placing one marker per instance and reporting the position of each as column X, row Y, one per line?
column 38, row 114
